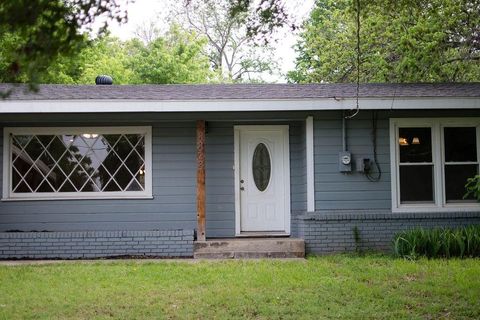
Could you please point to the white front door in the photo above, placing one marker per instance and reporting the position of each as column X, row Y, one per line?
column 262, row 179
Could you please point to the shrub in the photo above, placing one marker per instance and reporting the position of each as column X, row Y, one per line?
column 473, row 187
column 438, row 242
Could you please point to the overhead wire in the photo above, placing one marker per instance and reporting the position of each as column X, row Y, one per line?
column 371, row 175
column 357, row 90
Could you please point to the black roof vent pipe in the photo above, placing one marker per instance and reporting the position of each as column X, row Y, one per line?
column 103, row 80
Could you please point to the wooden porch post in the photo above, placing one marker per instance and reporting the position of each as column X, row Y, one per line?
column 201, row 180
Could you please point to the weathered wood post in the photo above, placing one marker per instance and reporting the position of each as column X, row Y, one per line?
column 201, row 180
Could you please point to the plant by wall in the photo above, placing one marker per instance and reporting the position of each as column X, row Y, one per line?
column 473, row 187
column 438, row 242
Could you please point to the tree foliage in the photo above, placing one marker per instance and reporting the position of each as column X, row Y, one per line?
column 174, row 58
column 36, row 32
column 46, row 34
column 261, row 17
column 401, row 41
column 104, row 55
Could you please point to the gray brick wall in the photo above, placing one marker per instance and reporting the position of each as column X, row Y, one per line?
column 96, row 244
column 329, row 232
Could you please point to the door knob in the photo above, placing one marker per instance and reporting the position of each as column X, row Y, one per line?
column 241, row 181
column 242, row 188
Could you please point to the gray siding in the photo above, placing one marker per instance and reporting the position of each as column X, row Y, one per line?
column 174, row 172
column 174, row 178
column 172, row 207
column 220, row 207
column 298, row 163
column 220, row 217
column 336, row 190
column 353, row 191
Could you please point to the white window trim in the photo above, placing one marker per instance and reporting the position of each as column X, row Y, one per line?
column 8, row 195
column 310, row 167
column 437, row 125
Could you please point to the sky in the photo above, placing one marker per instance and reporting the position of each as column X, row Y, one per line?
column 144, row 11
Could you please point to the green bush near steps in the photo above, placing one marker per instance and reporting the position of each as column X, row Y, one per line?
column 462, row 242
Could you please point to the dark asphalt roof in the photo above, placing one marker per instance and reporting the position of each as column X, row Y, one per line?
column 239, row 91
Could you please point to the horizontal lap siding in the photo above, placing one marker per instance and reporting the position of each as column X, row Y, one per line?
column 220, row 192
column 220, row 202
column 174, row 184
column 173, row 205
column 336, row 190
column 352, row 191
column 298, row 163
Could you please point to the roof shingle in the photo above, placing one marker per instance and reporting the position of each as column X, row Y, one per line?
column 238, row 91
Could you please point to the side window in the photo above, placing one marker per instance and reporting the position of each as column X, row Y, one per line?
column 416, row 165
column 461, row 163
column 431, row 162
column 78, row 162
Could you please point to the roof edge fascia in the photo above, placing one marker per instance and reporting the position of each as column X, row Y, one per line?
column 235, row 105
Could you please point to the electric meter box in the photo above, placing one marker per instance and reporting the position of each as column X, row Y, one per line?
column 345, row 161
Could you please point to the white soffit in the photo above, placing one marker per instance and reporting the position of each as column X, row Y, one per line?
column 97, row 106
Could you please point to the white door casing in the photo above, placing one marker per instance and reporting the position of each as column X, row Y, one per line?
column 258, row 210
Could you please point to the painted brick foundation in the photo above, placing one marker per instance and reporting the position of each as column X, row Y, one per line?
column 331, row 232
column 96, row 244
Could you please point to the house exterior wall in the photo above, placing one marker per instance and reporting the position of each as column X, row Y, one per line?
column 344, row 191
column 220, row 193
column 96, row 244
column 173, row 207
column 344, row 202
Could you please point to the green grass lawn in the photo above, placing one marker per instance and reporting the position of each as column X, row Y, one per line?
column 370, row 287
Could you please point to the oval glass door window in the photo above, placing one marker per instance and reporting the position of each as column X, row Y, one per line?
column 261, row 167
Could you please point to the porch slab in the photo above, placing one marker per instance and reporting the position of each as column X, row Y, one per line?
column 249, row 248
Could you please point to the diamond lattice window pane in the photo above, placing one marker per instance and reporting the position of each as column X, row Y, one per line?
column 34, row 149
column 87, row 162
column 140, row 177
column 102, row 177
column 34, row 178
column 21, row 141
column 110, row 139
column 16, row 179
column 23, row 188
column 78, row 177
column 45, row 140
column 134, row 186
column 123, row 177
column 45, row 161
column 112, row 186
column 123, row 148
column 56, row 148
column 133, row 138
column 67, row 187
column 57, row 178
column 140, row 148
column 134, row 163
column 112, row 163
column 45, row 187
column 22, row 163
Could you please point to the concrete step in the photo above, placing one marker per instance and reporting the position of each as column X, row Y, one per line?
column 249, row 248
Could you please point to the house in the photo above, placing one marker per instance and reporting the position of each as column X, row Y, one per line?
column 154, row 170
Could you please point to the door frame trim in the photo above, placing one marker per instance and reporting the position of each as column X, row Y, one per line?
column 236, row 168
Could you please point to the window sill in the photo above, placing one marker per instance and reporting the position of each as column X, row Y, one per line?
column 433, row 209
column 17, row 199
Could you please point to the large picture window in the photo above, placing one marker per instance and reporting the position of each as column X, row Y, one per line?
column 431, row 162
column 59, row 163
